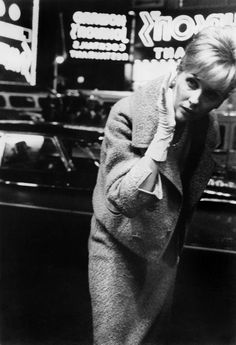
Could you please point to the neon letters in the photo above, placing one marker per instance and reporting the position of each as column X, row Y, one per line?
column 158, row 28
column 99, row 36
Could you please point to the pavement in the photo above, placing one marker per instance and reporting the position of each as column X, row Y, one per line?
column 44, row 298
column 45, row 304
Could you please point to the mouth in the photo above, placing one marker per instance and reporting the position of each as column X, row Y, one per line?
column 188, row 111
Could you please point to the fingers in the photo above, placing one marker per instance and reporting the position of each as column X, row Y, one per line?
column 169, row 82
column 170, row 107
column 170, row 79
column 165, row 101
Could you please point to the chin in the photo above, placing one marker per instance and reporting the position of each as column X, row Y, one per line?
column 180, row 117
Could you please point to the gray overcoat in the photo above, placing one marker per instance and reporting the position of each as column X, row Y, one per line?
column 131, row 232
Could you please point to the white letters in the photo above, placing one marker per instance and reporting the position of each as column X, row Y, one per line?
column 101, row 36
column 168, row 53
column 92, row 55
column 99, row 19
column 180, row 28
column 144, row 33
column 180, row 22
column 162, row 29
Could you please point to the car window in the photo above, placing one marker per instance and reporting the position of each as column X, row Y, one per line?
column 79, row 151
column 2, row 101
column 31, row 152
column 22, row 101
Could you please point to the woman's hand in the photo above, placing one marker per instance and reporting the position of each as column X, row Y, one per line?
column 158, row 147
column 165, row 105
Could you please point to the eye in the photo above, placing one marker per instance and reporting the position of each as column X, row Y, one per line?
column 192, row 83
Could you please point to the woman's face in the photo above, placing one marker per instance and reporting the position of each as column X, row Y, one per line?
column 194, row 97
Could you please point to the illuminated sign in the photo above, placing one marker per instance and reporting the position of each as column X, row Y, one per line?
column 180, row 28
column 18, row 41
column 221, row 183
column 99, row 36
column 161, row 37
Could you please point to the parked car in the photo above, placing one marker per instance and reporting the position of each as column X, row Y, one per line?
column 52, row 167
column 22, row 105
column 48, row 156
column 47, row 174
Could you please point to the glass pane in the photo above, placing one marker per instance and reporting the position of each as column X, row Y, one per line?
column 49, row 158
column 29, row 152
column 2, row 101
column 42, row 101
column 79, row 150
column 22, row 102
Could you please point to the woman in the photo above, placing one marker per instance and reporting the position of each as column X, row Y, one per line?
column 155, row 164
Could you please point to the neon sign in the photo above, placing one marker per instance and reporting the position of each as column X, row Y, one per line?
column 161, row 38
column 99, row 36
column 18, row 41
column 221, row 183
column 180, row 28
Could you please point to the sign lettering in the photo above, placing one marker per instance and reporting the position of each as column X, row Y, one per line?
column 99, row 36
column 158, row 28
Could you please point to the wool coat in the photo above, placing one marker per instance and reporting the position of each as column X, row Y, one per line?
column 135, row 237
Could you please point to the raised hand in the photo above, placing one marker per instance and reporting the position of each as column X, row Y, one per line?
column 158, row 147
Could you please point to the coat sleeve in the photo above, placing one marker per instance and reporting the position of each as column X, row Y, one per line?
column 124, row 166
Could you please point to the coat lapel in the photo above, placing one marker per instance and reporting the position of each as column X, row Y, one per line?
column 170, row 169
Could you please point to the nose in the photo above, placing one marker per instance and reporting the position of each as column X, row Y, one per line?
column 195, row 96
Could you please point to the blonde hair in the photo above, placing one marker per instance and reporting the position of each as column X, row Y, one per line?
column 212, row 55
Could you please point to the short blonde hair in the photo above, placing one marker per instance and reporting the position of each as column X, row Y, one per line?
column 212, row 55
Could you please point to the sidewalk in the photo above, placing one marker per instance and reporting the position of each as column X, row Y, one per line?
column 49, row 305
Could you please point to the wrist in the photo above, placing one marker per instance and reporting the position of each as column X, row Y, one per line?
column 158, row 148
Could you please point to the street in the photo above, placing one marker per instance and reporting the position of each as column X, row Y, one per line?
column 44, row 289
